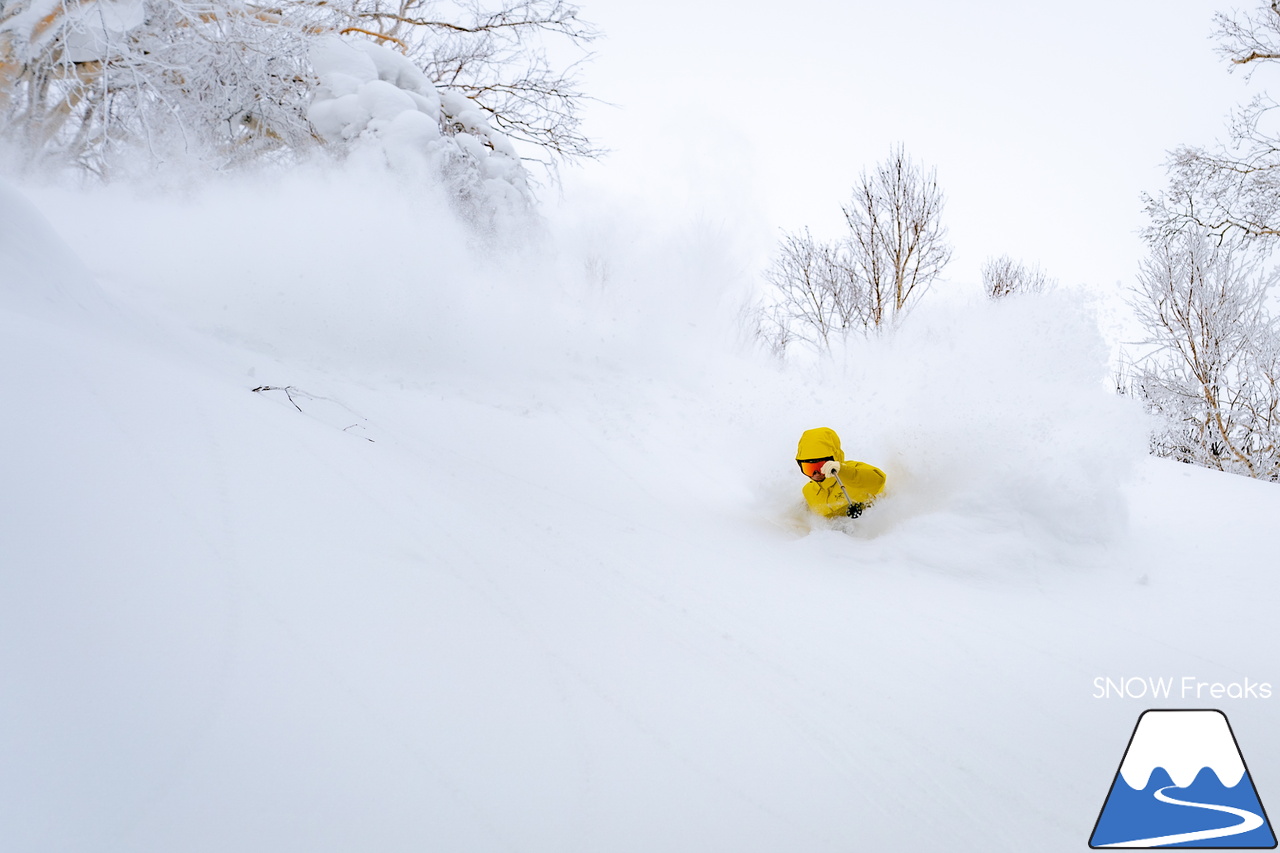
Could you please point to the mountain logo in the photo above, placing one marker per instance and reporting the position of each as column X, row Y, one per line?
column 1182, row 783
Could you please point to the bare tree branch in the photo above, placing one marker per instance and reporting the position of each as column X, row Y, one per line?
column 380, row 36
column 1254, row 57
column 894, row 250
column 897, row 242
column 1003, row 277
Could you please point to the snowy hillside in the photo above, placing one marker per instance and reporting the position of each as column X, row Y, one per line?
column 326, row 528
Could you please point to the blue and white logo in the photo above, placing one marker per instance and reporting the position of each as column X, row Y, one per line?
column 1183, row 783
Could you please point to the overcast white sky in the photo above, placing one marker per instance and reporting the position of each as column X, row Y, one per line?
column 1045, row 122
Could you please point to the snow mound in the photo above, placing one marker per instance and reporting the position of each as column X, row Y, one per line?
column 383, row 106
column 39, row 274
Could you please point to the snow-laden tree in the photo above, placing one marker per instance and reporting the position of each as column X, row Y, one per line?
column 1214, row 347
column 1212, row 359
column 1003, row 276
column 1231, row 192
column 495, row 56
column 85, row 81
column 869, row 278
column 373, row 102
column 226, row 82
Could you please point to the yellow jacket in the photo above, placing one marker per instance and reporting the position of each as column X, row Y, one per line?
column 862, row 481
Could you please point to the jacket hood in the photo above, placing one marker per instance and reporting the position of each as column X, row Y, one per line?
column 819, row 443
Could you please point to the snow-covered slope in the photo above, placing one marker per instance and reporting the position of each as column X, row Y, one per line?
column 507, row 554
column 41, row 276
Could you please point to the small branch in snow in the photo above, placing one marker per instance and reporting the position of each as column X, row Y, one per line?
column 365, row 437
column 288, row 392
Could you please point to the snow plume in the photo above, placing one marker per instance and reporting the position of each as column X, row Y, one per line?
column 350, row 270
column 992, row 421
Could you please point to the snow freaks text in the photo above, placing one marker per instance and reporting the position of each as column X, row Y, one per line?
column 1186, row 687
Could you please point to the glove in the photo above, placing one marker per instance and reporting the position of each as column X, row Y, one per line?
column 831, row 468
column 855, row 510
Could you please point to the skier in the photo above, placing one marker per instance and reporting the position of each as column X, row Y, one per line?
column 836, row 487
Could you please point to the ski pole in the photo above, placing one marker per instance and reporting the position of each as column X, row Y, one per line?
column 832, row 469
column 843, row 489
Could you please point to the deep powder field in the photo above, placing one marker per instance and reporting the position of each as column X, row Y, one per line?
column 331, row 525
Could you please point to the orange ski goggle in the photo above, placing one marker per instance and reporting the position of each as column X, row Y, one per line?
column 812, row 466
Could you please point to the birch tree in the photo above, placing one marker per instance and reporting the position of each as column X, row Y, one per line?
column 1213, row 358
column 816, row 298
column 894, row 248
column 1213, row 363
column 897, row 245
column 1231, row 192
